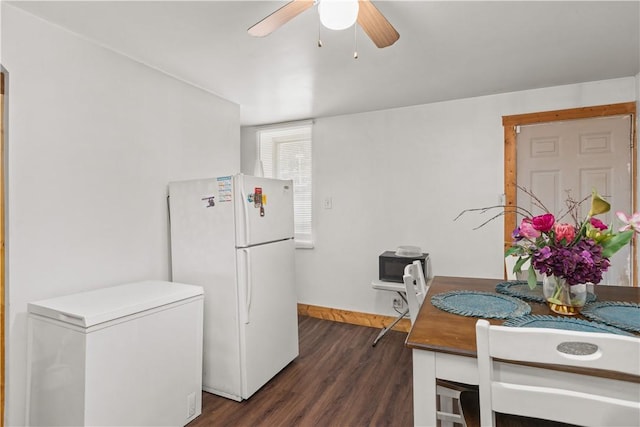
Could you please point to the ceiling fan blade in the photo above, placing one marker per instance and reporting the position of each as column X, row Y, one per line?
column 279, row 17
column 379, row 30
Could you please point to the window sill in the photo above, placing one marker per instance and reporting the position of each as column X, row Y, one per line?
column 304, row 244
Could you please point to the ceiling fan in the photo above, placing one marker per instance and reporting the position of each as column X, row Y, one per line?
column 379, row 30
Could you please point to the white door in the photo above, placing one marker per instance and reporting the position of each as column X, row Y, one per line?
column 576, row 156
column 264, row 209
column 268, row 307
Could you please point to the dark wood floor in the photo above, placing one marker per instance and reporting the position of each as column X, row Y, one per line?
column 339, row 380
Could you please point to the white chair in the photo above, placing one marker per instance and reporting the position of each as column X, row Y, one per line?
column 567, row 398
column 448, row 393
column 416, row 287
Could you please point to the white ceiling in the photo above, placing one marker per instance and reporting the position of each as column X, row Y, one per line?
column 447, row 50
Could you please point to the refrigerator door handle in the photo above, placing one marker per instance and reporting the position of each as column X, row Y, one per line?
column 248, row 285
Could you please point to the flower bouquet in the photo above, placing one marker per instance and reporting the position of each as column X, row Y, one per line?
column 567, row 254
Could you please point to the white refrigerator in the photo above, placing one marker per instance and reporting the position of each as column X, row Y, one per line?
column 233, row 235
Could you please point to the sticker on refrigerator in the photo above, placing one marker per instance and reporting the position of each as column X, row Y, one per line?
column 224, row 189
column 210, row 201
column 259, row 199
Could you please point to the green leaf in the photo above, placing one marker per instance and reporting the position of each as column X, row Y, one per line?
column 617, row 242
column 518, row 266
column 512, row 251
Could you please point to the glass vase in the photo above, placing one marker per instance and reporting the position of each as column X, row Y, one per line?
column 563, row 298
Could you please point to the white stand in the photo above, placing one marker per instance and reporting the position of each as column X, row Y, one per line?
column 400, row 290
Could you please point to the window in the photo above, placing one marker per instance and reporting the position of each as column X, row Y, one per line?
column 285, row 153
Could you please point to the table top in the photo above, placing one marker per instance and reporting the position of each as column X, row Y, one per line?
column 440, row 331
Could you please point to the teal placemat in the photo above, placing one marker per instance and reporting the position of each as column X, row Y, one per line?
column 570, row 323
column 480, row 304
column 520, row 289
column 623, row 315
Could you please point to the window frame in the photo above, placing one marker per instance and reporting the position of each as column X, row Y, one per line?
column 282, row 134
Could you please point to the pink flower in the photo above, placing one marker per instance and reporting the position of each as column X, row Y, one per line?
column 544, row 222
column 595, row 222
column 631, row 223
column 527, row 229
column 564, row 231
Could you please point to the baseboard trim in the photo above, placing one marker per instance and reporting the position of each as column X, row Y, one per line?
column 353, row 317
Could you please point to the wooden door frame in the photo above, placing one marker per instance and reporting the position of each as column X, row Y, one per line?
column 510, row 123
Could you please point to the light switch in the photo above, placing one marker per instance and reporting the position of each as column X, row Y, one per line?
column 328, row 203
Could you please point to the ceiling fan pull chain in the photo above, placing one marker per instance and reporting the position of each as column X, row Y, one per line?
column 355, row 41
column 319, row 39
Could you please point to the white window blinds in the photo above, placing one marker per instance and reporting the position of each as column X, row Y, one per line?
column 286, row 154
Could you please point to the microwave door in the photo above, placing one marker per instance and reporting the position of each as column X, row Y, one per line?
column 391, row 266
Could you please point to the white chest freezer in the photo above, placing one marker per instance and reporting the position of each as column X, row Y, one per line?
column 128, row 355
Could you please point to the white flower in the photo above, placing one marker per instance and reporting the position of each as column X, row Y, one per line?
column 631, row 223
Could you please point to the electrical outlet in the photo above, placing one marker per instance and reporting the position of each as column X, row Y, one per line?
column 397, row 303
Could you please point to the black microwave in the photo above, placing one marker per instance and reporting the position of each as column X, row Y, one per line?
column 391, row 266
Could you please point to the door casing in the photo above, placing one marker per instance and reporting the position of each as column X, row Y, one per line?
column 510, row 124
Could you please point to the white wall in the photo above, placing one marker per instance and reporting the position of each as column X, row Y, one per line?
column 400, row 177
column 0, row 34
column 93, row 140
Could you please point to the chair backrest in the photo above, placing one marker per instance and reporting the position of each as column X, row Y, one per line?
column 568, row 398
column 415, row 286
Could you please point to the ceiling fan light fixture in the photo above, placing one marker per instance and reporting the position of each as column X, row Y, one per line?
column 338, row 14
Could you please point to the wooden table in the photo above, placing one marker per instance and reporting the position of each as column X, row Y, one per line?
column 444, row 344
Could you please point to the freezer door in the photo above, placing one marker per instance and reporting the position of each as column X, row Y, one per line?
column 264, row 210
column 268, row 312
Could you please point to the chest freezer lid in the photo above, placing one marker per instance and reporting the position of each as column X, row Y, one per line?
column 91, row 308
